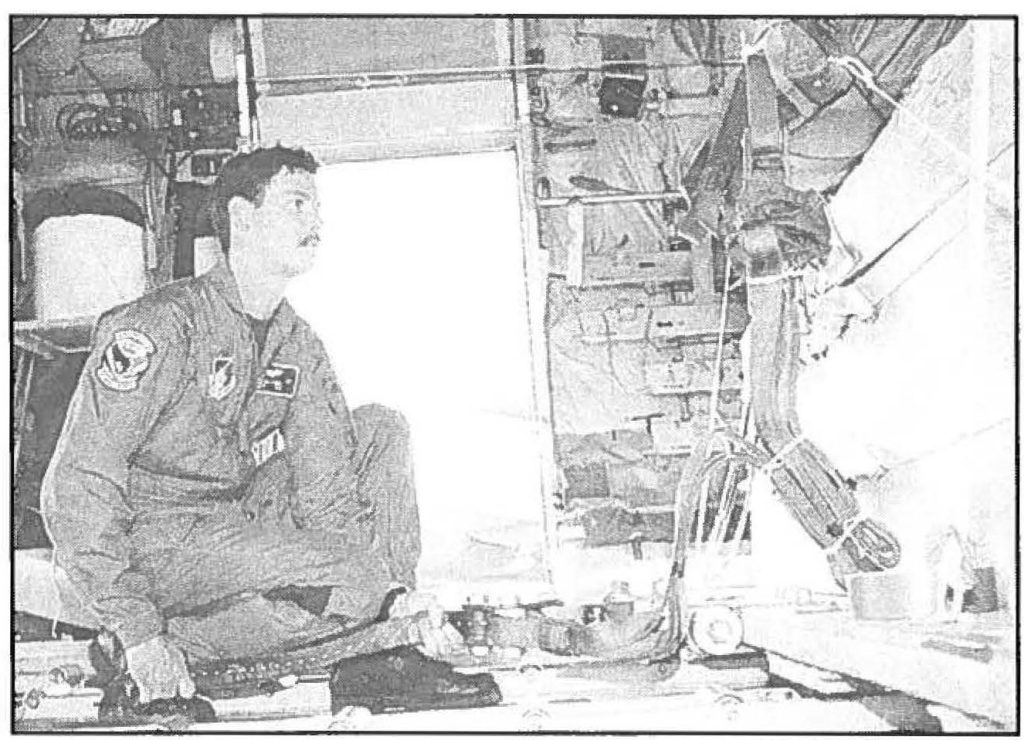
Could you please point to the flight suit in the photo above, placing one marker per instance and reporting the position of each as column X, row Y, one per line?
column 194, row 474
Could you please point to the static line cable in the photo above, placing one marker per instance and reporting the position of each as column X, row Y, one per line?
column 945, row 446
column 917, row 269
column 859, row 70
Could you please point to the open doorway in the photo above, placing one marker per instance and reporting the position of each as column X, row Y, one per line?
column 419, row 295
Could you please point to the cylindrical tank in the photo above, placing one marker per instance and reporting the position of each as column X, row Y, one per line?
column 223, row 48
column 87, row 251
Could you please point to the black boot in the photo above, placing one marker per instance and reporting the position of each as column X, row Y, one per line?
column 403, row 679
column 120, row 706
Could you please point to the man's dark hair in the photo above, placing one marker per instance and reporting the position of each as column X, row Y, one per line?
column 247, row 175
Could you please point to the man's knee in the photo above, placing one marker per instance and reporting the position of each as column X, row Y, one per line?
column 380, row 419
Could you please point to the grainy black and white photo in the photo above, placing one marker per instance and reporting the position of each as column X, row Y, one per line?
column 568, row 374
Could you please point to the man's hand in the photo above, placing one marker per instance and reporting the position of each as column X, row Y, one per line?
column 408, row 603
column 437, row 638
column 158, row 669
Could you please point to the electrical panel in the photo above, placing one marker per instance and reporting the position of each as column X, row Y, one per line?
column 201, row 166
column 204, row 118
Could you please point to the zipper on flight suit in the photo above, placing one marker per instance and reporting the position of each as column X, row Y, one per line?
column 256, row 373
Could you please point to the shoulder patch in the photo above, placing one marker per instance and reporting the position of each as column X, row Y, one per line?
column 125, row 360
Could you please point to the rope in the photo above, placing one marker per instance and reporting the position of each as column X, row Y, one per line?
column 861, row 71
column 945, row 446
column 769, row 466
column 716, row 390
column 847, row 532
column 917, row 268
column 610, row 349
column 722, row 525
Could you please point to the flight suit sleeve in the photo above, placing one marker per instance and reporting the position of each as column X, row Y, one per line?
column 137, row 366
column 327, row 390
column 322, row 445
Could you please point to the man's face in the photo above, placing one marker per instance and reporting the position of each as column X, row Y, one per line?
column 284, row 229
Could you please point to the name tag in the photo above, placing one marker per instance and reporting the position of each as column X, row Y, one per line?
column 279, row 380
column 267, row 446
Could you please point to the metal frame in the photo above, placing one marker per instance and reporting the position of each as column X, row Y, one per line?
column 535, row 271
column 407, row 76
column 600, row 199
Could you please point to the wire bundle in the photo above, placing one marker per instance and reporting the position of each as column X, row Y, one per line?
column 88, row 121
column 807, row 481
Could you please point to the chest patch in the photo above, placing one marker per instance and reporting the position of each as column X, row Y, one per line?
column 125, row 359
column 279, row 380
column 267, row 446
column 222, row 378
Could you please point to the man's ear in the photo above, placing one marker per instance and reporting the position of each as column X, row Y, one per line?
column 240, row 212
